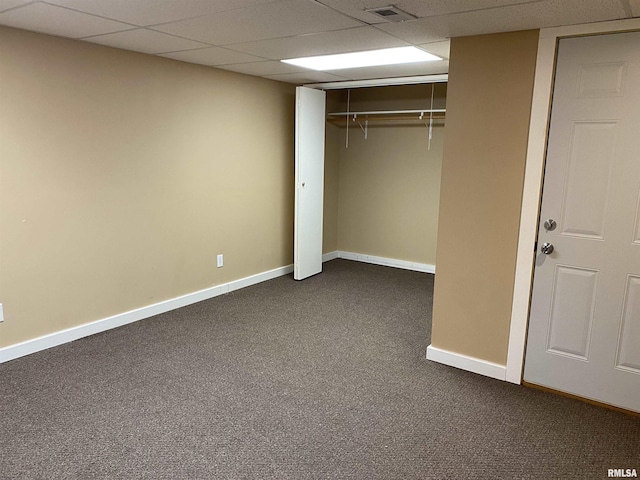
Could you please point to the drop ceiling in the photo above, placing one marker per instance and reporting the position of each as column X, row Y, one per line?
column 252, row 36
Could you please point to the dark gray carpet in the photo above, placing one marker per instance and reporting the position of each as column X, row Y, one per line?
column 324, row 378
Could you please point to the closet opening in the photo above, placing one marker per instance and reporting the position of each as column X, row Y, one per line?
column 383, row 160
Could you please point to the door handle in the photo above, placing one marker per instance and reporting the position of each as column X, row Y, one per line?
column 546, row 248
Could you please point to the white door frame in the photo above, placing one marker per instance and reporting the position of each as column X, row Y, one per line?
column 534, row 171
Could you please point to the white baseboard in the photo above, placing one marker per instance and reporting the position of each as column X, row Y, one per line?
column 330, row 256
column 387, row 262
column 463, row 362
column 69, row 335
column 58, row 338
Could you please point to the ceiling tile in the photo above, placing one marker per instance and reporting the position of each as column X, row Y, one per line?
column 272, row 20
column 388, row 71
column 547, row 13
column 151, row 12
column 441, row 49
column 357, row 8
column 40, row 17
column 353, row 39
column 418, row 8
column 553, row 13
column 307, row 77
column 146, row 41
column 263, row 68
column 424, row 30
column 213, row 56
column 7, row 4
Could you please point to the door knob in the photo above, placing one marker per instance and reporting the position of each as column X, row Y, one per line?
column 546, row 248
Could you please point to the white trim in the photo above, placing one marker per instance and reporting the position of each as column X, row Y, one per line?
column 69, row 335
column 534, row 171
column 65, row 336
column 330, row 256
column 384, row 261
column 612, row 26
column 530, row 207
column 470, row 364
column 381, row 82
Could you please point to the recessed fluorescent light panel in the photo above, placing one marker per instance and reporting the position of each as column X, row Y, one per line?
column 370, row 58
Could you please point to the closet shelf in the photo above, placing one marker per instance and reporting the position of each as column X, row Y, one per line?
column 388, row 115
column 389, row 112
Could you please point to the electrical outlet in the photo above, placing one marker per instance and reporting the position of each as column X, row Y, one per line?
column 220, row 261
column 1, row 313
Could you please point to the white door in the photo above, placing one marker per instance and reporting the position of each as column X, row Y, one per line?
column 584, row 328
column 309, row 178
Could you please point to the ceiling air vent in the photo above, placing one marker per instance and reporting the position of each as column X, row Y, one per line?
column 391, row 14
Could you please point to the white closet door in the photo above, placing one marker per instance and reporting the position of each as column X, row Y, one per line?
column 309, row 165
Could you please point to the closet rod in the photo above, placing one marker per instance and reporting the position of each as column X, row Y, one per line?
column 388, row 112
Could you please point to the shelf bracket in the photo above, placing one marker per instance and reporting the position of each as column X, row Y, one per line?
column 364, row 129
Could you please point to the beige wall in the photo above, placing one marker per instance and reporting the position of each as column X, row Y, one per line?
column 123, row 175
column 389, row 184
column 389, row 192
column 488, row 108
